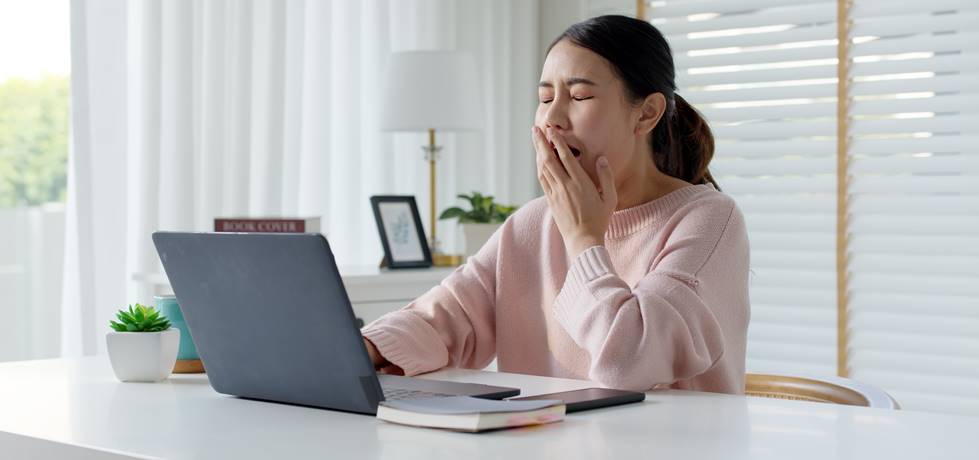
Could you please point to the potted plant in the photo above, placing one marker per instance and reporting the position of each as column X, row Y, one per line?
column 480, row 221
column 142, row 346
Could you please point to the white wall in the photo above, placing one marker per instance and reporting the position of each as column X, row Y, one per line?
column 557, row 15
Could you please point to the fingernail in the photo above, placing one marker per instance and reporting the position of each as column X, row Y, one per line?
column 603, row 162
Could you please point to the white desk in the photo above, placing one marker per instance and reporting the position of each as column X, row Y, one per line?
column 75, row 408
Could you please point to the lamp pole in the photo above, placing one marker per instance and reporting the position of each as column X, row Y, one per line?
column 431, row 152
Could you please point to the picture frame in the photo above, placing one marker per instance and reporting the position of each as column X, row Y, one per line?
column 401, row 232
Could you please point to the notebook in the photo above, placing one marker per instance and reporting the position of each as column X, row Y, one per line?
column 465, row 413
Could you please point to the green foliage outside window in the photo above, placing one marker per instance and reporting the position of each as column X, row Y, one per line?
column 33, row 141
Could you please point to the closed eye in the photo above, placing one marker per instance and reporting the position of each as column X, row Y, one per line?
column 575, row 98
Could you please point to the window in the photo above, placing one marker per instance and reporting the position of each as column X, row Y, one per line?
column 766, row 81
column 914, row 201
column 901, row 185
column 33, row 171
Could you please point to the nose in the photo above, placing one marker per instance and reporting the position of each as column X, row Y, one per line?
column 556, row 116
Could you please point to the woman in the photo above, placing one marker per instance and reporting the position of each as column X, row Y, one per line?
column 632, row 271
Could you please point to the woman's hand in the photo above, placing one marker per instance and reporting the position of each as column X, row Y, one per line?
column 581, row 210
column 380, row 364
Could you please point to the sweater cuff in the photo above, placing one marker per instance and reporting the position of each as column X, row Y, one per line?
column 394, row 350
column 591, row 264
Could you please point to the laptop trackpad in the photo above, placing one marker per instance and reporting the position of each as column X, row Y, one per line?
column 445, row 387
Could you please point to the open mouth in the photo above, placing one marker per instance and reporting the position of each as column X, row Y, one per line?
column 574, row 150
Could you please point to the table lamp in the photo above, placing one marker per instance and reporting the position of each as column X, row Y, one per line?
column 429, row 91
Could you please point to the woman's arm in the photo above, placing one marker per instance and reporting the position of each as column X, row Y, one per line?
column 454, row 323
column 671, row 326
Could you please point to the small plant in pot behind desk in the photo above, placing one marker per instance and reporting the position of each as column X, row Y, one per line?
column 484, row 210
column 479, row 222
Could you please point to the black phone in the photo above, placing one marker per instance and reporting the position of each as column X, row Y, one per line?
column 589, row 398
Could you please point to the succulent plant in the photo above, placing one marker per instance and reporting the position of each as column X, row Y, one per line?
column 140, row 319
column 484, row 210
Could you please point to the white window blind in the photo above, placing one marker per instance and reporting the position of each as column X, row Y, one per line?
column 764, row 73
column 914, row 225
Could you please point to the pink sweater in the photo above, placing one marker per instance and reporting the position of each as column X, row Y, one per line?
column 663, row 303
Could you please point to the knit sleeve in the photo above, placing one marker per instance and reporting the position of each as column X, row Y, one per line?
column 668, row 327
column 453, row 324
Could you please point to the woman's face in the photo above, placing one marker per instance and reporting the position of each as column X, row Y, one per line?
column 584, row 101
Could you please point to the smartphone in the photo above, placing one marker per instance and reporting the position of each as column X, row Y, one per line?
column 589, row 398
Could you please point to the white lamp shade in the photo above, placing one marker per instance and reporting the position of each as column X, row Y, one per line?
column 430, row 90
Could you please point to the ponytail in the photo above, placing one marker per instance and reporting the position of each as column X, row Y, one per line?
column 683, row 144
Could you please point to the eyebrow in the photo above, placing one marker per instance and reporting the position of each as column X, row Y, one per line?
column 569, row 82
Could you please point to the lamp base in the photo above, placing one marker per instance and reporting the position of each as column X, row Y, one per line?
column 447, row 260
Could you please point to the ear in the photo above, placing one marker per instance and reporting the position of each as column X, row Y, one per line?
column 650, row 112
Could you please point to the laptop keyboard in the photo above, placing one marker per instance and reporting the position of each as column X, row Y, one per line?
column 391, row 394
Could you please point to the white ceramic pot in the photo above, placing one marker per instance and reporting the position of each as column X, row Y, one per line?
column 476, row 235
column 143, row 356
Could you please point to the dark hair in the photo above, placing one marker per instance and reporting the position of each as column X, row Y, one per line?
column 682, row 142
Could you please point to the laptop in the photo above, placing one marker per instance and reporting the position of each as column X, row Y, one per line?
column 272, row 321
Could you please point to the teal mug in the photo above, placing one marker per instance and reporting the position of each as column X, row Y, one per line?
column 188, row 361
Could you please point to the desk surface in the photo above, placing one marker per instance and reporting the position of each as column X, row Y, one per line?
column 55, row 407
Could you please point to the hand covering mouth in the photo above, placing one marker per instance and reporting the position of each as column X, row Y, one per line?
column 574, row 150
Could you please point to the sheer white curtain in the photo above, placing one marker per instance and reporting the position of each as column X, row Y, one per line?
column 187, row 110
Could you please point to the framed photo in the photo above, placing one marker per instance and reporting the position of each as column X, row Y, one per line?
column 401, row 232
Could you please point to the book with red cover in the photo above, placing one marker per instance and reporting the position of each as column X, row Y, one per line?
column 267, row 225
